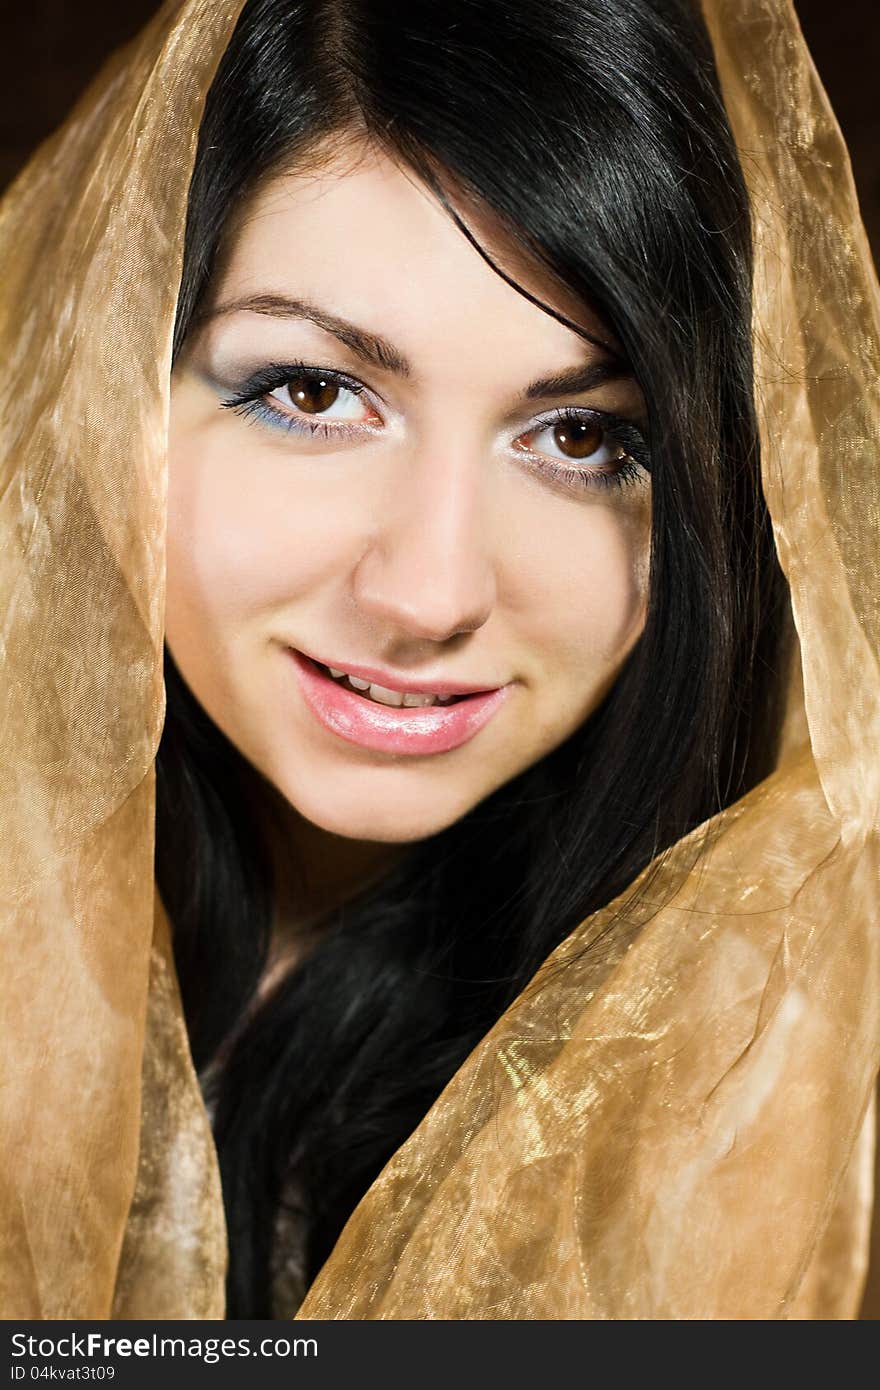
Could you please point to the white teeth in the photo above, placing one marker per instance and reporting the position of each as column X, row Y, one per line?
column 396, row 698
column 386, row 696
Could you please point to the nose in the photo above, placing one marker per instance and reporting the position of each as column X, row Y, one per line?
column 427, row 571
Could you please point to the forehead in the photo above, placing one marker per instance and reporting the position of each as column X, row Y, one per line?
column 359, row 233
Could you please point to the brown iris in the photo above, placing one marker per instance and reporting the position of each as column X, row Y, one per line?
column 312, row 394
column 578, row 439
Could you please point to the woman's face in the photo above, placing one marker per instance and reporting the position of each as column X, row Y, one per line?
column 387, row 461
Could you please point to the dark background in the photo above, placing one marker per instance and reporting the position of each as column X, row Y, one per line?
column 50, row 48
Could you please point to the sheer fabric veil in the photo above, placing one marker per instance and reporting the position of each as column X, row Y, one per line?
column 678, row 1123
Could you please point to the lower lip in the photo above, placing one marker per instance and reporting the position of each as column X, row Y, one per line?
column 385, row 729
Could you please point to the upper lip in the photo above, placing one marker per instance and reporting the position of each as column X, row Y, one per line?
column 392, row 680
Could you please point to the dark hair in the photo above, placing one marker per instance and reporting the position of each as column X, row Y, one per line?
column 595, row 130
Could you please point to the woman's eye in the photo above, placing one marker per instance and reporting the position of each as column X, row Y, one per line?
column 318, row 395
column 576, row 440
column 577, row 449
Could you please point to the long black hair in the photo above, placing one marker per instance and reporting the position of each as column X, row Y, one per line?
column 595, row 130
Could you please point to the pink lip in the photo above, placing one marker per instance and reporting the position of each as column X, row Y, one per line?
column 391, row 680
column 386, row 729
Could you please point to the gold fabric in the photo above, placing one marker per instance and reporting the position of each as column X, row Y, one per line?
column 678, row 1123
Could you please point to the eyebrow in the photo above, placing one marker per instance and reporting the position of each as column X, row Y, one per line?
column 380, row 353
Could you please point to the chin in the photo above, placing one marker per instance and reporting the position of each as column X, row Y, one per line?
column 390, row 818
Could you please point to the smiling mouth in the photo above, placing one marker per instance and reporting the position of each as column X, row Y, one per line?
column 383, row 695
column 378, row 719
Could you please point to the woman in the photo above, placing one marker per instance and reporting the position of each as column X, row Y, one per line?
column 524, row 472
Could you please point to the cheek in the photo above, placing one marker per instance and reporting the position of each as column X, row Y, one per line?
column 615, row 582
column 588, row 596
column 247, row 534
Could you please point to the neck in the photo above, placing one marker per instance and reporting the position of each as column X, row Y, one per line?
column 314, row 870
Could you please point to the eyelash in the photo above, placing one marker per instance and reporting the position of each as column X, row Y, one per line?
column 248, row 402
